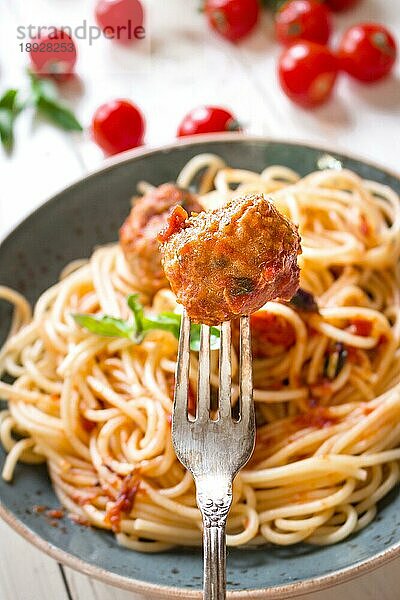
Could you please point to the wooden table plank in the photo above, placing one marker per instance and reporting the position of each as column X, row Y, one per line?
column 26, row 573
column 382, row 583
column 86, row 588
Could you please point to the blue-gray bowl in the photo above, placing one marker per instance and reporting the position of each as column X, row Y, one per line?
column 67, row 227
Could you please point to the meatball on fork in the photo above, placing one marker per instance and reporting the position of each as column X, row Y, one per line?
column 229, row 262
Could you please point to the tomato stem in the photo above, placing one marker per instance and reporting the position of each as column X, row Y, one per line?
column 219, row 20
column 234, row 125
column 380, row 41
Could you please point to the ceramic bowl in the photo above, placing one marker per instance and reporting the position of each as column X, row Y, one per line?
column 68, row 226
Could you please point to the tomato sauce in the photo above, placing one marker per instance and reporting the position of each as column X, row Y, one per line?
column 55, row 513
column 361, row 327
column 87, row 425
column 365, row 227
column 78, row 520
column 268, row 329
column 318, row 418
column 124, row 502
column 175, row 222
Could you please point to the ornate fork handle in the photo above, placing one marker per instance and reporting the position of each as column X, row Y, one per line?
column 214, row 508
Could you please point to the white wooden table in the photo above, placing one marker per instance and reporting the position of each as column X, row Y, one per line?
column 189, row 66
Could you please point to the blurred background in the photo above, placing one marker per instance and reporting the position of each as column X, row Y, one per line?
column 182, row 63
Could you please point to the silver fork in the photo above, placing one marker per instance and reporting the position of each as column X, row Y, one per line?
column 214, row 450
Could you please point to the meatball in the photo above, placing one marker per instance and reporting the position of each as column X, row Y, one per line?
column 138, row 234
column 232, row 260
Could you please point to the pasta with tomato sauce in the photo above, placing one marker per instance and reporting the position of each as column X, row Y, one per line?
column 93, row 377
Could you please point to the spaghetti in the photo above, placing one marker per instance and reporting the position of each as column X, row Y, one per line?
column 97, row 409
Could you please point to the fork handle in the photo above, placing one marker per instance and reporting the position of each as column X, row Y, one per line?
column 215, row 511
column 214, row 562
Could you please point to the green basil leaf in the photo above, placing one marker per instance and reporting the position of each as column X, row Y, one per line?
column 42, row 87
column 195, row 337
column 138, row 313
column 166, row 321
column 57, row 113
column 9, row 109
column 107, row 326
column 9, row 99
column 45, row 98
column 215, row 335
column 6, row 128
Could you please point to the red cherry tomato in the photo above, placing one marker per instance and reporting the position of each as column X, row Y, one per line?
column 117, row 126
column 207, row 119
column 120, row 20
column 339, row 5
column 367, row 52
column 307, row 73
column 233, row 19
column 53, row 52
column 303, row 19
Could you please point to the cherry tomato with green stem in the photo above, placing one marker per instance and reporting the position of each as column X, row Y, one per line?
column 307, row 73
column 53, row 53
column 208, row 119
column 232, row 19
column 367, row 52
column 303, row 19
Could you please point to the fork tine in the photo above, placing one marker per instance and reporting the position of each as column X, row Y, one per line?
column 182, row 369
column 203, row 391
column 225, row 369
column 210, row 450
column 245, row 373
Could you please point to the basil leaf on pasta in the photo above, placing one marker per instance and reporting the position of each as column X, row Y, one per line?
column 137, row 309
column 167, row 321
column 195, row 337
column 107, row 326
column 171, row 322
